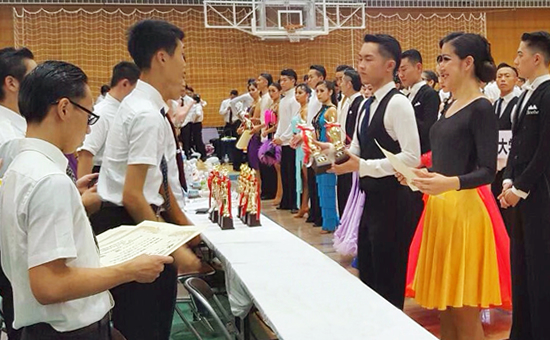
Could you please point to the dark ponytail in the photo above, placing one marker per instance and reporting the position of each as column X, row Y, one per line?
column 476, row 46
column 331, row 87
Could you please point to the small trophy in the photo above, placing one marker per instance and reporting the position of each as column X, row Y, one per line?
column 334, row 134
column 320, row 162
column 254, row 203
column 225, row 219
column 212, row 200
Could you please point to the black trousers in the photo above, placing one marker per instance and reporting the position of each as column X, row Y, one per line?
column 315, row 215
column 530, row 254
column 7, row 306
column 342, row 190
column 100, row 330
column 236, row 155
column 508, row 215
column 186, row 139
column 196, row 137
column 288, row 177
column 143, row 311
column 385, row 234
column 269, row 181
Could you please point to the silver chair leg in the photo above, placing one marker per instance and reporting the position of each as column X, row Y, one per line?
column 188, row 324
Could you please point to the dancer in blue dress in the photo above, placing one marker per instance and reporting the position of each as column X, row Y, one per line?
column 326, row 182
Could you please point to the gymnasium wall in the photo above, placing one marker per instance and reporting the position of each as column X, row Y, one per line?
column 219, row 60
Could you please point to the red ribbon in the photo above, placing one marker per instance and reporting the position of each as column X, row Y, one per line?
column 305, row 146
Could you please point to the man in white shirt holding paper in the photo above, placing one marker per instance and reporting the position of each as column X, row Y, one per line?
column 48, row 248
column 123, row 81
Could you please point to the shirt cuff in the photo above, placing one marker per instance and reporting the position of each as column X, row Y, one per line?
column 520, row 193
column 507, row 181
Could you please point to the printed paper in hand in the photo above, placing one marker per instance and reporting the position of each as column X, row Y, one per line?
column 399, row 166
column 153, row 238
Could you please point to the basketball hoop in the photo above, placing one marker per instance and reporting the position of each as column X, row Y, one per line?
column 293, row 37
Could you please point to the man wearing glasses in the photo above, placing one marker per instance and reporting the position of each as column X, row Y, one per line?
column 48, row 248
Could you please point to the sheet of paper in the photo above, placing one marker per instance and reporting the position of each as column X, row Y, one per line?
column 153, row 238
column 399, row 166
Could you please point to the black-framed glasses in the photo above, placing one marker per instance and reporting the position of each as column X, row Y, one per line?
column 92, row 117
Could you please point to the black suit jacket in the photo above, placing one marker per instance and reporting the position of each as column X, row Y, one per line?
column 426, row 108
column 505, row 121
column 529, row 161
column 351, row 119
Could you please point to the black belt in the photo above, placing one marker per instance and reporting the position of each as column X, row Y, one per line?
column 46, row 331
column 111, row 205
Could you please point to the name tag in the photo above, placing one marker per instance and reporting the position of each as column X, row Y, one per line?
column 504, row 144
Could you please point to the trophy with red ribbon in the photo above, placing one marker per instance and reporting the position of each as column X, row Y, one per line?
column 334, row 134
column 254, row 201
column 320, row 163
column 225, row 219
column 213, row 212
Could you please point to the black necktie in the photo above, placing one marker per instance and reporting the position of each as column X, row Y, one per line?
column 179, row 159
column 499, row 107
column 164, row 171
column 365, row 113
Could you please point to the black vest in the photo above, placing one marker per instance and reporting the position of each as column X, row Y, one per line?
column 505, row 121
column 369, row 149
column 351, row 119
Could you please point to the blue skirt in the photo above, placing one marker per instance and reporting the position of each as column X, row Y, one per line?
column 326, row 184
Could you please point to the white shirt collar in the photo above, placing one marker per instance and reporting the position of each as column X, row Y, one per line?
column 16, row 120
column 47, row 149
column 506, row 99
column 289, row 92
column 539, row 80
column 414, row 89
column 111, row 99
column 153, row 94
column 384, row 90
column 353, row 96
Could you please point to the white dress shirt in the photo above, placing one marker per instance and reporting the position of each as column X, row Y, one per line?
column 343, row 112
column 241, row 103
column 224, row 110
column 492, row 91
column 138, row 135
column 47, row 223
column 400, row 123
column 288, row 108
column 265, row 104
column 188, row 101
column 313, row 107
column 173, row 172
column 414, row 90
column 444, row 95
column 198, row 113
column 505, row 100
column 530, row 88
column 95, row 140
column 12, row 125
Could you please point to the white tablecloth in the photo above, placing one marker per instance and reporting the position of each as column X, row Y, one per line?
column 301, row 292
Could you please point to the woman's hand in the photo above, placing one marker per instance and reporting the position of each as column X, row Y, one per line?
column 277, row 141
column 432, row 183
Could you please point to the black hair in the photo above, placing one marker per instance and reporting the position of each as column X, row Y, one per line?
column 388, row 47
column 104, row 89
column 125, row 70
column 189, row 88
column 504, row 65
column 276, row 85
column 341, row 68
column 252, row 83
column 12, row 63
column 290, row 73
column 197, row 98
column 48, row 83
column 476, row 46
column 522, row 79
column 320, row 70
column 147, row 37
column 305, row 87
column 234, row 93
column 355, row 78
column 539, row 42
column 331, row 87
column 305, row 77
column 413, row 55
column 267, row 77
column 431, row 75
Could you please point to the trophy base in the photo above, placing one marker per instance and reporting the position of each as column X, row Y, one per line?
column 341, row 156
column 214, row 215
column 226, row 223
column 321, row 167
column 252, row 220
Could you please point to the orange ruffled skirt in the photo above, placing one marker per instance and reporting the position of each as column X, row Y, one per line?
column 459, row 255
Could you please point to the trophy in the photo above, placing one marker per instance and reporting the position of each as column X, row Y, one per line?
column 242, row 189
column 320, row 162
column 225, row 219
column 213, row 196
column 254, row 203
column 334, row 134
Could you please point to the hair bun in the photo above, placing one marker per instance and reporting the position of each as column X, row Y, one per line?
column 486, row 72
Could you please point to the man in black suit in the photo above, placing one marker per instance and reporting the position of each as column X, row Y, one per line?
column 526, row 186
column 424, row 98
column 351, row 89
column 425, row 101
column 507, row 77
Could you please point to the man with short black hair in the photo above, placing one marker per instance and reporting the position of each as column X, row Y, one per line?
column 526, row 187
column 386, row 227
column 338, row 79
column 123, row 81
column 48, row 248
column 134, row 180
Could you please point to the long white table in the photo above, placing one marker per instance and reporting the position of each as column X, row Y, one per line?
column 300, row 292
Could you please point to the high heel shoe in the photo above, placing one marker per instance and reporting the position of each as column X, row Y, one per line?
column 301, row 213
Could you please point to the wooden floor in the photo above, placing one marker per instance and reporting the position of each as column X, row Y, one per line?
column 495, row 322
